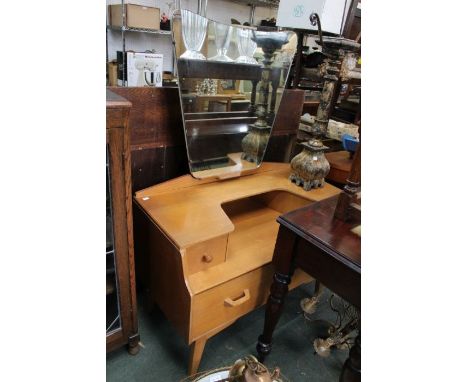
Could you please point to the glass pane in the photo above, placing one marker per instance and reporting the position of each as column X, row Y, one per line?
column 231, row 80
column 112, row 290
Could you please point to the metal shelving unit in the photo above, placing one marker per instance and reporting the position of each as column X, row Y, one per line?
column 257, row 3
column 123, row 29
column 140, row 30
column 251, row 3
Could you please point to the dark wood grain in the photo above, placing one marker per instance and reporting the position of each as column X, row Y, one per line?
column 312, row 239
column 157, row 141
column 155, row 117
column 156, row 132
column 316, row 223
column 350, row 190
column 118, row 142
column 340, row 166
column 289, row 112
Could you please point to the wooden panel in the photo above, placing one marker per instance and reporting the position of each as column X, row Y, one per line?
column 282, row 201
column 210, row 310
column 155, row 117
column 289, row 112
column 340, row 166
column 117, row 138
column 206, row 254
column 279, row 148
column 166, row 275
column 151, row 166
column 310, row 107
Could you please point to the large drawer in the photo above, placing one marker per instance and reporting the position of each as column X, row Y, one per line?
column 226, row 302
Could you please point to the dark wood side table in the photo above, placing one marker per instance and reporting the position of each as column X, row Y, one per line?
column 312, row 239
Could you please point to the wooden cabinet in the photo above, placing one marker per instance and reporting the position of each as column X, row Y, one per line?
column 206, row 246
column 121, row 308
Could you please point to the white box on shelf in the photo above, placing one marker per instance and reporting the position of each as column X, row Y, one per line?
column 295, row 14
column 144, row 69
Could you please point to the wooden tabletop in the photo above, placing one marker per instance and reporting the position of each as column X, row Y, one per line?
column 190, row 210
column 316, row 224
column 116, row 101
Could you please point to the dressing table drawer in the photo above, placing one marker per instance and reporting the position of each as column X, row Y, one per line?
column 206, row 254
column 229, row 301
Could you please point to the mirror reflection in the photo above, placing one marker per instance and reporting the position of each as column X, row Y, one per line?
column 231, row 79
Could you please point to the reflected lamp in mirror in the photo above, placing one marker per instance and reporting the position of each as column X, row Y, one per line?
column 231, row 81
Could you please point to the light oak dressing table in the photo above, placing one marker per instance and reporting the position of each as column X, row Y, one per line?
column 207, row 239
column 210, row 244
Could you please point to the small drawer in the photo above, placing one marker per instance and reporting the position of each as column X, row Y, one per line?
column 235, row 298
column 206, row 254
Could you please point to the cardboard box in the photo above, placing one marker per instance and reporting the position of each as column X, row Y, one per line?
column 112, row 73
column 137, row 16
column 144, row 69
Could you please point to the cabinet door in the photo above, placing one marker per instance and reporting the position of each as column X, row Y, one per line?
column 113, row 317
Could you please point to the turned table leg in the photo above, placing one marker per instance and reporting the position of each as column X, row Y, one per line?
column 282, row 259
column 351, row 371
column 274, row 308
column 196, row 352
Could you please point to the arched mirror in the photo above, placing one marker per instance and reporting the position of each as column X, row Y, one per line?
column 231, row 81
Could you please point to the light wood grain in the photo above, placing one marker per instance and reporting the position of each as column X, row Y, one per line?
column 240, row 167
column 206, row 254
column 191, row 216
column 211, row 310
column 233, row 222
column 196, row 352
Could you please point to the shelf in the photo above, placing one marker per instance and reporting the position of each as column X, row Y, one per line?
column 219, row 126
column 139, row 30
column 218, row 70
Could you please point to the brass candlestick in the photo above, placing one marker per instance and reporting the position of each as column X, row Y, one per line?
column 255, row 142
column 305, row 169
column 335, row 48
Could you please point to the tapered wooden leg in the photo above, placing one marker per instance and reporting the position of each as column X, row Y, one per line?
column 196, row 352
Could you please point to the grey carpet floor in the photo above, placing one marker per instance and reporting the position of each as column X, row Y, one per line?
column 164, row 356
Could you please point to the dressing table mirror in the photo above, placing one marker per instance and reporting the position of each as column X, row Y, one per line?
column 231, row 81
column 205, row 240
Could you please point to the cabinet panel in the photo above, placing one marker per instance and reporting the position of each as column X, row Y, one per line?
column 121, row 310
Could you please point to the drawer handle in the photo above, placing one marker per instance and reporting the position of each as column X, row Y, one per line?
column 207, row 258
column 240, row 300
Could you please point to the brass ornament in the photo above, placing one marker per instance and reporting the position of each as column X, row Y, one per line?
column 341, row 333
column 309, row 167
column 255, row 142
column 248, row 369
column 309, row 304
